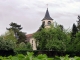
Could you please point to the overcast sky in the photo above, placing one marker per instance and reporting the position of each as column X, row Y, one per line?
column 29, row 13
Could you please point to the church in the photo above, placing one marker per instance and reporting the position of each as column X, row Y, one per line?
column 47, row 20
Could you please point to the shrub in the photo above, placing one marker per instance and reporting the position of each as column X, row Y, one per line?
column 6, row 44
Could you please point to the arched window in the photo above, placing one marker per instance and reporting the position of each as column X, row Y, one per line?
column 49, row 22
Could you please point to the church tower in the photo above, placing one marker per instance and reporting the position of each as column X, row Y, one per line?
column 47, row 20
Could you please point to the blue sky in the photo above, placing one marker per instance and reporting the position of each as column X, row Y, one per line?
column 29, row 13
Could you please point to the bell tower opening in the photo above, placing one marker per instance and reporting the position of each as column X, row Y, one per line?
column 49, row 22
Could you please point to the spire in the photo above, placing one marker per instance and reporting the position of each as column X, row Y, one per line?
column 47, row 16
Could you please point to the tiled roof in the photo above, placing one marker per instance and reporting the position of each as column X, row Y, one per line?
column 29, row 35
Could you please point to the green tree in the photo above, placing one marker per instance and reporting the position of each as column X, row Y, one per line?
column 71, row 42
column 78, row 23
column 73, row 45
column 61, row 26
column 51, row 39
column 9, row 35
column 74, row 31
column 21, row 37
column 41, row 27
column 77, row 42
column 23, row 46
column 6, row 44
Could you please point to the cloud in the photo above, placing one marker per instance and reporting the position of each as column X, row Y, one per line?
column 30, row 13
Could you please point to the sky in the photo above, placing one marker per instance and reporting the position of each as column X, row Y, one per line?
column 29, row 13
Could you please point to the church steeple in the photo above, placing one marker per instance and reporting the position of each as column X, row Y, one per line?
column 47, row 16
column 47, row 20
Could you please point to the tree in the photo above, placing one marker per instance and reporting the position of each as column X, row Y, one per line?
column 74, row 45
column 21, row 37
column 9, row 35
column 51, row 39
column 77, row 42
column 73, row 36
column 23, row 46
column 61, row 26
column 74, row 31
column 41, row 27
column 6, row 44
column 78, row 23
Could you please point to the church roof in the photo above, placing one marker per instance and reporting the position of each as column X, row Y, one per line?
column 28, row 36
column 47, row 16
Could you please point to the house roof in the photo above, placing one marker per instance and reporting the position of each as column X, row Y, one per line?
column 47, row 16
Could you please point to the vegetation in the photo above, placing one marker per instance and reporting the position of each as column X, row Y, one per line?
column 6, row 44
column 78, row 23
column 74, row 31
column 23, row 46
column 55, row 38
column 58, row 39
column 9, row 40
column 30, row 56
column 21, row 37
column 9, row 35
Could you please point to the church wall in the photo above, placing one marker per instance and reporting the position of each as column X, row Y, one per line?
column 33, row 43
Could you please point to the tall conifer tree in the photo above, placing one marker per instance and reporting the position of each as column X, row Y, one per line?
column 74, row 30
column 21, row 37
column 78, row 23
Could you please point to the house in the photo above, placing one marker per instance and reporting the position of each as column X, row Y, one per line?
column 47, row 20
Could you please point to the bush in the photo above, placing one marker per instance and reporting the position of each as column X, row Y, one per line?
column 29, row 56
column 6, row 44
column 23, row 46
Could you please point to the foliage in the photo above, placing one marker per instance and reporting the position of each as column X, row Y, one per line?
column 71, row 42
column 77, row 42
column 9, row 35
column 51, row 39
column 30, row 56
column 74, row 43
column 9, row 42
column 74, row 31
column 78, row 23
column 61, row 26
column 17, row 32
column 6, row 44
column 41, row 27
column 23, row 46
